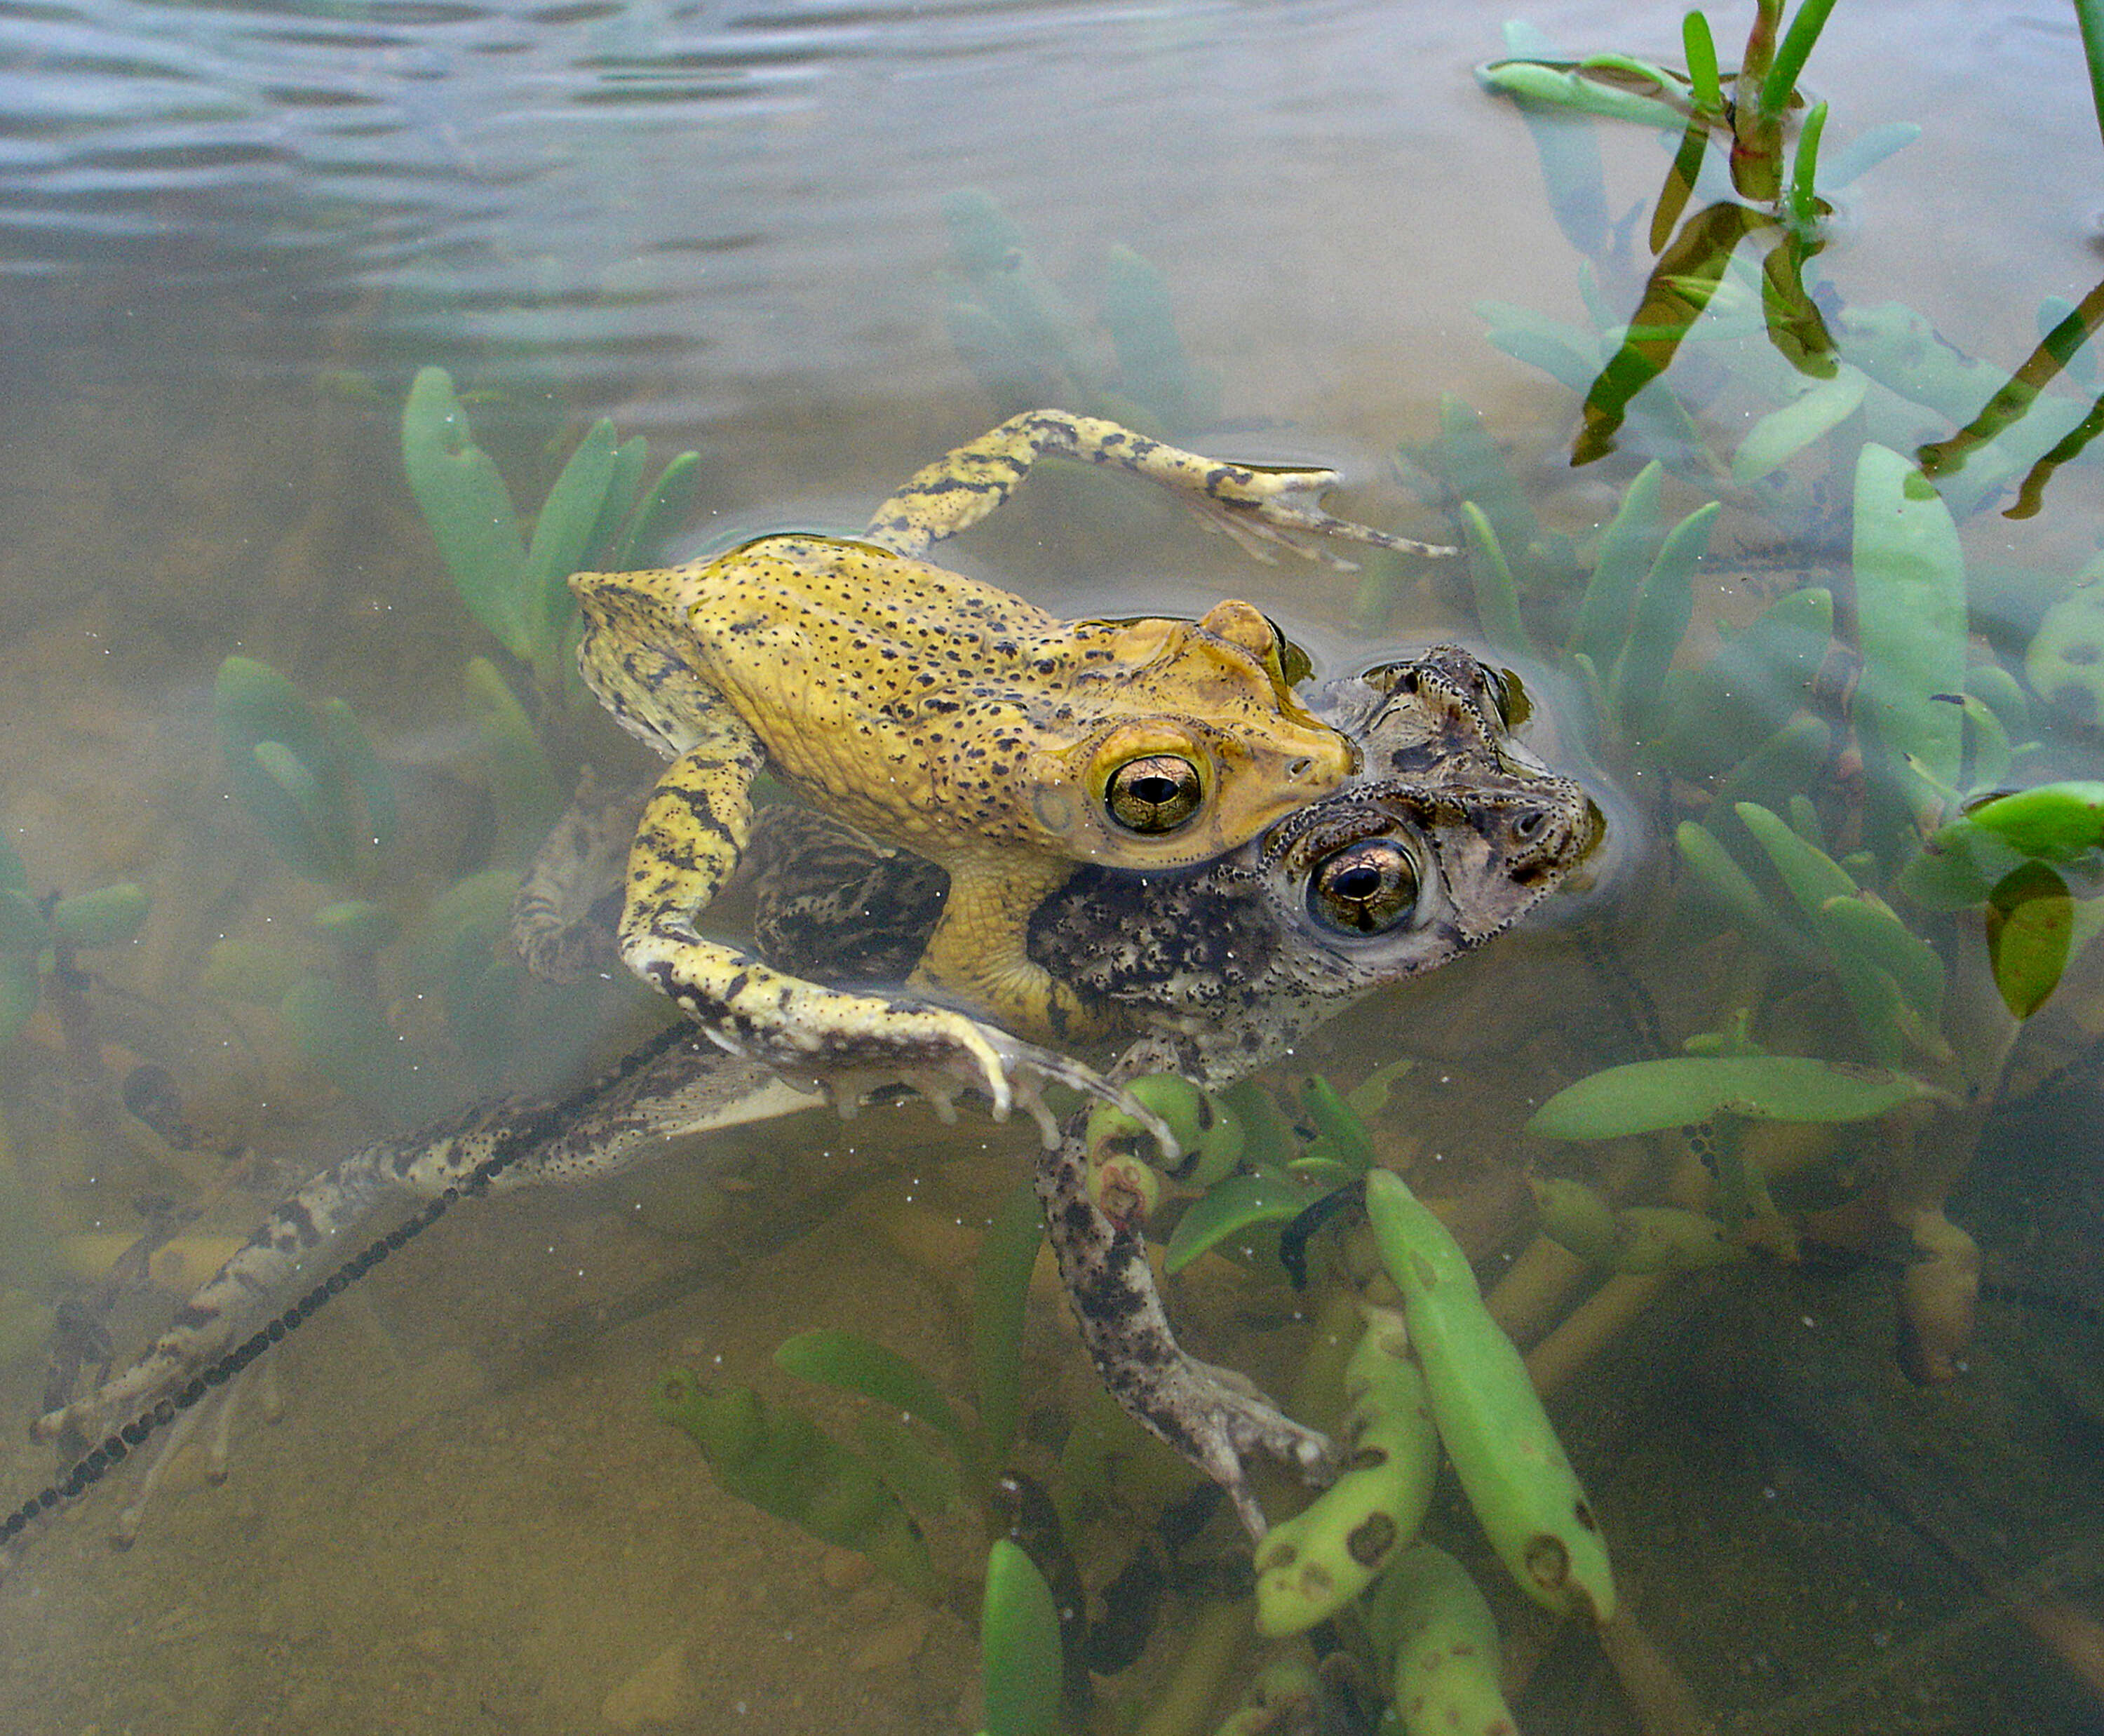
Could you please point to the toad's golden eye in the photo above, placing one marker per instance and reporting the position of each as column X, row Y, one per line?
column 1366, row 888
column 1154, row 794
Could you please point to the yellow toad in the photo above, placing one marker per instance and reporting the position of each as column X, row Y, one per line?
column 956, row 721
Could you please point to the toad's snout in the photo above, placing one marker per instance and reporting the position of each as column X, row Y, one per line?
column 1545, row 832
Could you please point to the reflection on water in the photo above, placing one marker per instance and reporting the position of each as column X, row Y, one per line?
column 228, row 236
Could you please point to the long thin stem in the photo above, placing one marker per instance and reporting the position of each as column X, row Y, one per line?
column 1795, row 50
column 2089, row 17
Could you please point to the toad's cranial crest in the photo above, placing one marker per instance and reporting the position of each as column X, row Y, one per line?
column 952, row 719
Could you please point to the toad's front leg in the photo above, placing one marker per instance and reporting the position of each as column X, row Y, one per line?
column 694, row 828
column 1217, row 1422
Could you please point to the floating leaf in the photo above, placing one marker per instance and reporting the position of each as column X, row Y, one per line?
column 1679, row 1090
column 1586, row 87
column 1019, row 1654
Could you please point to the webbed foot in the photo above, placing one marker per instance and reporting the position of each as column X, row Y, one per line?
column 939, row 1054
column 1222, row 1425
column 1259, row 507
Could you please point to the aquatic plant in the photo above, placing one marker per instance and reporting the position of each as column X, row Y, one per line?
column 918, row 1456
column 1844, row 777
column 1021, row 337
column 308, row 776
column 39, row 936
column 597, row 514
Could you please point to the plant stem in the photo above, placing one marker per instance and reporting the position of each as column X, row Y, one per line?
column 2090, row 18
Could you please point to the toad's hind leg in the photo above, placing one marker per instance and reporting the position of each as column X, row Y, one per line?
column 1249, row 502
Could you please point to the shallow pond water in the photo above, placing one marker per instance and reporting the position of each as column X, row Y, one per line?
column 229, row 237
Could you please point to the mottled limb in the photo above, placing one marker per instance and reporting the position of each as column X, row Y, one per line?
column 695, row 824
column 568, row 901
column 1213, row 1418
column 1258, row 505
column 672, row 1088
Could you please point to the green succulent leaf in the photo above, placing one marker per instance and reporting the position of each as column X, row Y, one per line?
column 1781, row 434
column 779, row 1459
column 1497, row 594
column 1001, row 1303
column 20, row 983
column 663, row 510
column 1911, row 627
column 344, row 1035
column 2053, row 822
column 468, row 511
column 23, row 927
column 1627, row 547
column 624, row 483
column 1664, row 607
column 2030, row 932
column 1342, row 1132
column 834, row 1357
column 351, row 752
column 1233, row 1207
column 1020, row 1653
column 109, row 916
column 561, row 536
column 1646, row 1096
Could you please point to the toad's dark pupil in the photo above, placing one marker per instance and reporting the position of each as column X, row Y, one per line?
column 1155, row 794
column 1366, row 888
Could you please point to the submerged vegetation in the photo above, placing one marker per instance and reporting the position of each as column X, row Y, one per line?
column 1858, row 738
